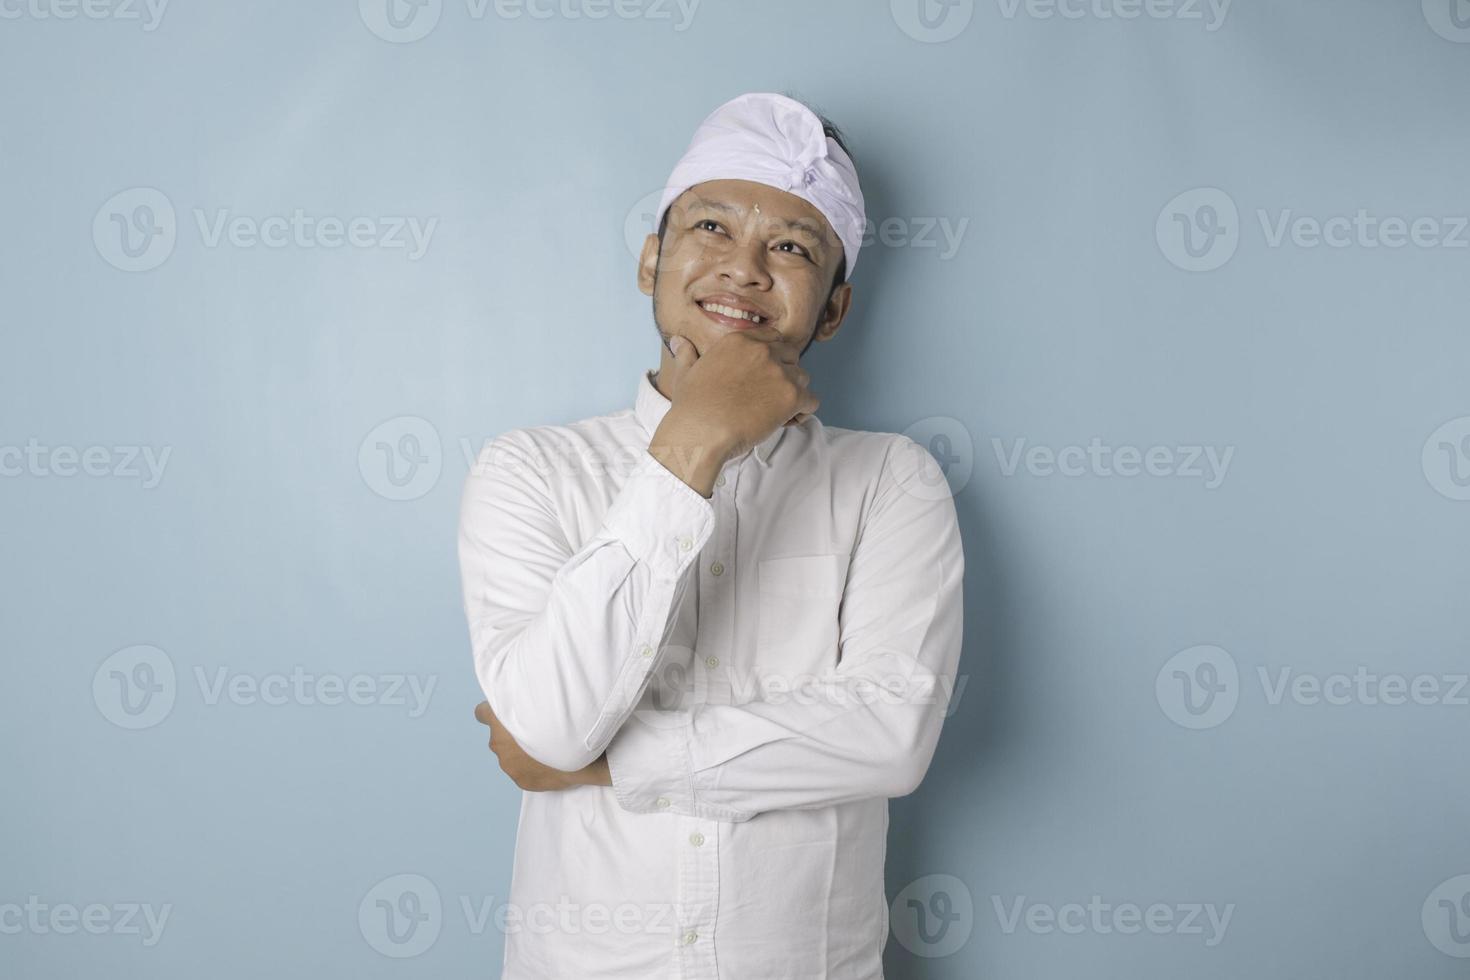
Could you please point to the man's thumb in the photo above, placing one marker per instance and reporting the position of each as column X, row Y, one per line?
column 683, row 351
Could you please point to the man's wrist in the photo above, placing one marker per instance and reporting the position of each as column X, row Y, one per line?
column 692, row 452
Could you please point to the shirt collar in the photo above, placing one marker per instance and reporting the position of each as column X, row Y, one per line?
column 651, row 407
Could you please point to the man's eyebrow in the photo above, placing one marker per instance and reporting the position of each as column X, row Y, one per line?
column 800, row 224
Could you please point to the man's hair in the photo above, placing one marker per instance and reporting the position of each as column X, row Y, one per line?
column 830, row 129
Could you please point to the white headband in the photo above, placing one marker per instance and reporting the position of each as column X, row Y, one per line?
column 777, row 141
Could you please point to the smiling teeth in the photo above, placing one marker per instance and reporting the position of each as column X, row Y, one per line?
column 732, row 312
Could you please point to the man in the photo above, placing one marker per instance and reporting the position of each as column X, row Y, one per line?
column 714, row 634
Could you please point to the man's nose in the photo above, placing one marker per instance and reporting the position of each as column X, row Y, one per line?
column 744, row 263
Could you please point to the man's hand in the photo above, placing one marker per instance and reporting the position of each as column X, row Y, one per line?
column 746, row 385
column 529, row 774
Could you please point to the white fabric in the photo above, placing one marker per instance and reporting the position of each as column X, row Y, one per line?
column 745, row 830
column 775, row 140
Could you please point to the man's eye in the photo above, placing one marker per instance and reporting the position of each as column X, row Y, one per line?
column 799, row 249
column 713, row 225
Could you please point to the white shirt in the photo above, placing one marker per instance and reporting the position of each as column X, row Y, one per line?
column 764, row 670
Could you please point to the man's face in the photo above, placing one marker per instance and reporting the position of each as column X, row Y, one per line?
column 744, row 245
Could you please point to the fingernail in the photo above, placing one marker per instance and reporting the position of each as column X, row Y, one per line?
column 674, row 344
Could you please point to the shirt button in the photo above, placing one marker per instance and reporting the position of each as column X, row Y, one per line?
column 685, row 544
column 646, row 650
column 697, row 839
column 663, row 802
column 711, row 662
column 690, row 937
column 717, row 569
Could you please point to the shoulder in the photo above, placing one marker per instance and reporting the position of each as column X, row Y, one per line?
column 893, row 469
column 864, row 450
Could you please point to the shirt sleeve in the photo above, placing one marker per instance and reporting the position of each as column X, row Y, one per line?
column 565, row 640
column 869, row 727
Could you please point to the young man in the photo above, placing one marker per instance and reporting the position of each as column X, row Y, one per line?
column 715, row 635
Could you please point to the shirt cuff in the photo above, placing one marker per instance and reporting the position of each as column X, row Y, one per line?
column 660, row 519
column 649, row 764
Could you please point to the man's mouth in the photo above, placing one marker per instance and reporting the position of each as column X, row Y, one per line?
column 731, row 316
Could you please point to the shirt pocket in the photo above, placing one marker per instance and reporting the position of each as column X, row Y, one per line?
column 797, row 630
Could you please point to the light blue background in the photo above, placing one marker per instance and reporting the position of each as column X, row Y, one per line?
column 1333, row 541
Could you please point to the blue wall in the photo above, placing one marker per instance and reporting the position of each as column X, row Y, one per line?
column 1211, row 724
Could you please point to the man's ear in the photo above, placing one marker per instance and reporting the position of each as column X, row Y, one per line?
column 834, row 312
column 647, row 264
